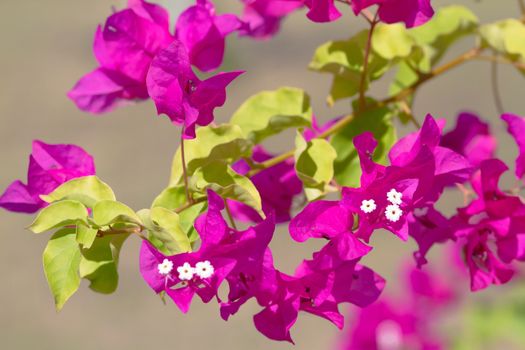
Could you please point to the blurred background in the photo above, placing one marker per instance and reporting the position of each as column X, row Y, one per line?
column 46, row 47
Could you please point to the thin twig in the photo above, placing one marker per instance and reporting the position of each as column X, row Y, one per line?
column 184, row 170
column 498, row 102
column 368, row 48
column 112, row 231
column 499, row 59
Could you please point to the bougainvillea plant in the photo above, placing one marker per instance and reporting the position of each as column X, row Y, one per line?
column 207, row 235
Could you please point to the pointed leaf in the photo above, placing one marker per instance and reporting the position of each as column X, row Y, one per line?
column 165, row 231
column 314, row 164
column 59, row 214
column 99, row 263
column 270, row 112
column 223, row 180
column 392, row 41
column 448, row 25
column 224, row 142
column 108, row 212
column 86, row 235
column 345, row 59
column 347, row 166
column 88, row 190
column 61, row 260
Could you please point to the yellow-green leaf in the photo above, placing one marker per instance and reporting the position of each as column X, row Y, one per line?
column 223, row 180
column 59, row 214
column 270, row 112
column 61, row 260
column 224, row 142
column 88, row 190
column 99, row 263
column 314, row 164
column 108, row 212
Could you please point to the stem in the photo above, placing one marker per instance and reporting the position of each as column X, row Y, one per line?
column 184, row 170
column 271, row 162
column 408, row 111
column 521, row 4
column 113, row 231
column 230, row 216
column 368, row 48
column 499, row 59
column 190, row 204
column 495, row 88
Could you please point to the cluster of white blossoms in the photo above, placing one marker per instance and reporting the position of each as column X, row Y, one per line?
column 203, row 269
column 392, row 212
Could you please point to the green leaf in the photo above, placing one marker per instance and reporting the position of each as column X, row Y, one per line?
column 506, row 37
column 99, row 263
column 165, row 231
column 347, row 166
column 169, row 221
column 223, row 180
column 187, row 219
column 59, row 214
column 175, row 197
column 314, row 164
column 448, row 25
column 270, row 112
column 171, row 198
column 108, row 212
column 405, row 77
column 86, row 235
column 345, row 59
column 87, row 190
column 224, row 142
column 392, row 41
column 61, row 260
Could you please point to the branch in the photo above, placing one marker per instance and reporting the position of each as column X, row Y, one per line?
column 502, row 60
column 123, row 231
column 184, row 170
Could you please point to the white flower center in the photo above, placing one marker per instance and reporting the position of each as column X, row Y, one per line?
column 368, row 206
column 394, row 196
column 165, row 267
column 393, row 212
column 185, row 272
column 204, row 269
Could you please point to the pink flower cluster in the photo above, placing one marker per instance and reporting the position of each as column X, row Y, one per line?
column 244, row 261
column 140, row 58
column 489, row 229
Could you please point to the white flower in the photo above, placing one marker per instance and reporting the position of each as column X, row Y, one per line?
column 394, row 197
column 393, row 212
column 165, row 268
column 204, row 269
column 368, row 206
column 185, row 272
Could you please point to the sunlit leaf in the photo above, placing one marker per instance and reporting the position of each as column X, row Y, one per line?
column 59, row 214
column 270, row 112
column 61, row 260
column 88, row 190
